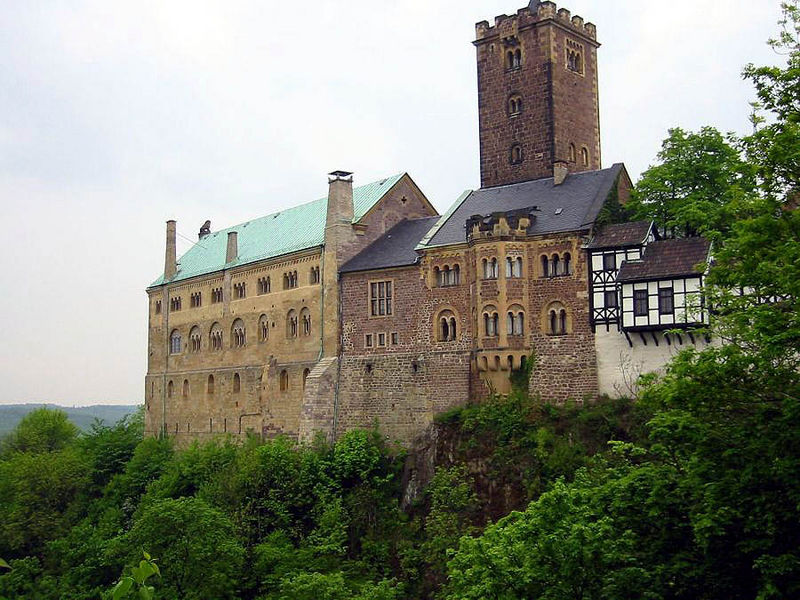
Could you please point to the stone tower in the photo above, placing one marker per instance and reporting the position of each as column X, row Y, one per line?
column 537, row 94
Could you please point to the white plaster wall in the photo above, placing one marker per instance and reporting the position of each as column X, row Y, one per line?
column 619, row 365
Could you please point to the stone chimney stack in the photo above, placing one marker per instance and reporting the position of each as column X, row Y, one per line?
column 232, row 252
column 340, row 198
column 560, row 172
column 170, row 258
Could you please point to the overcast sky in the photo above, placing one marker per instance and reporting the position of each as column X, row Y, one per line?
column 116, row 116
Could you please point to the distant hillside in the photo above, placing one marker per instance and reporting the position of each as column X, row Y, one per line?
column 83, row 417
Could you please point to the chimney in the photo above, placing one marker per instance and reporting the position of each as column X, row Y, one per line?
column 560, row 172
column 340, row 198
column 233, row 247
column 204, row 230
column 170, row 258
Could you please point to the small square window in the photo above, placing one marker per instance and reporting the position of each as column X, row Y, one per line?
column 368, row 340
column 381, row 339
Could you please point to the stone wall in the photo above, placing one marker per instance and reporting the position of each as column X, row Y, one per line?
column 559, row 106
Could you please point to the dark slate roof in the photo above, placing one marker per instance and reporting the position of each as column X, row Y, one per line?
column 395, row 248
column 620, row 235
column 667, row 258
column 579, row 199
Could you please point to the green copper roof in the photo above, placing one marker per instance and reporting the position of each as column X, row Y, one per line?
column 279, row 233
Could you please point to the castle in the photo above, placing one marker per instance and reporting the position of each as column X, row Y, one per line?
column 366, row 306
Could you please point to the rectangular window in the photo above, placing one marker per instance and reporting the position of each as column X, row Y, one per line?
column 394, row 338
column 381, row 339
column 611, row 299
column 380, row 295
column 158, row 307
column 610, row 262
column 368, row 340
column 640, row 307
column 666, row 304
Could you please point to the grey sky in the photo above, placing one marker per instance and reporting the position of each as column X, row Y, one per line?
column 115, row 116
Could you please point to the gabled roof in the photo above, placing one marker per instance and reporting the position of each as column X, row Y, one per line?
column 571, row 206
column 395, row 248
column 291, row 230
column 621, row 235
column 667, row 258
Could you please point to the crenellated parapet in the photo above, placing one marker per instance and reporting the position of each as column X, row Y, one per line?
column 506, row 26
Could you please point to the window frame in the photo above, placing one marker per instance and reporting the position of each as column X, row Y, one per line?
column 641, row 303
column 666, row 300
column 374, row 303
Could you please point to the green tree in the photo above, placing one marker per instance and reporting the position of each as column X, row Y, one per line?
column 699, row 186
column 41, row 430
column 195, row 541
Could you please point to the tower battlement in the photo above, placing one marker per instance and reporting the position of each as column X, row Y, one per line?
column 505, row 25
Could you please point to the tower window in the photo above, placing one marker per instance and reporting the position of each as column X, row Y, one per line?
column 585, row 156
column 284, row 381
column 574, row 57
column 572, row 155
column 516, row 154
column 514, row 105
column 513, row 59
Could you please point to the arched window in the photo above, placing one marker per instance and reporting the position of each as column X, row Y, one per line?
column 545, row 266
column 215, row 337
column 284, row 380
column 509, row 267
column 493, row 268
column 263, row 328
column 238, row 334
column 567, row 264
column 185, row 388
column 237, row 383
column 195, row 339
column 490, row 321
column 437, row 273
column 305, row 317
column 456, row 275
column 286, row 281
column 210, row 385
column 514, row 104
column 555, row 268
column 446, row 326
column 170, row 389
column 517, row 58
column 572, row 156
column 306, row 373
column 485, row 269
column 585, row 156
column 557, row 321
column 175, row 342
column 519, row 323
column 518, row 267
column 516, row 154
column 314, row 275
column 510, row 59
column 291, row 324
column 515, row 320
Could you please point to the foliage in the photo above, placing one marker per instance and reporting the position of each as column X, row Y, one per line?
column 42, row 430
column 700, row 186
column 136, row 582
